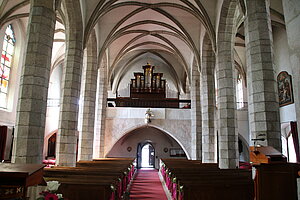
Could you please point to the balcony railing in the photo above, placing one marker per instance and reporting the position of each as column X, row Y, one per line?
column 51, row 102
column 148, row 103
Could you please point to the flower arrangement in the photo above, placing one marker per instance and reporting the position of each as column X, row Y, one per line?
column 50, row 192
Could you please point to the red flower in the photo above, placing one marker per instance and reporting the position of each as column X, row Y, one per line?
column 51, row 196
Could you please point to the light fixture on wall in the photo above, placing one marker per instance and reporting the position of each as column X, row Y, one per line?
column 166, row 149
column 261, row 138
column 148, row 116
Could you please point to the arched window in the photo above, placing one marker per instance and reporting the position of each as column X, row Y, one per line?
column 6, row 64
column 239, row 92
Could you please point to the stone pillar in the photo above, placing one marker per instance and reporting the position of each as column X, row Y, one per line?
column 208, row 103
column 66, row 145
column 101, row 112
column 32, row 103
column 263, row 104
column 227, row 137
column 196, row 115
column 88, row 91
column 227, row 134
column 292, row 20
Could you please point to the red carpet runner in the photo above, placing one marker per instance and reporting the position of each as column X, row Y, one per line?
column 146, row 185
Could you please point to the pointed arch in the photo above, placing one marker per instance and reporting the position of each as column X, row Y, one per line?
column 137, row 127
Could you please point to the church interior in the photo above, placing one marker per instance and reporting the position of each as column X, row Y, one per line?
column 195, row 93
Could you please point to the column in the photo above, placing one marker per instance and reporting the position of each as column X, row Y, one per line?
column 263, row 104
column 101, row 113
column 88, row 93
column 227, row 134
column 32, row 103
column 208, row 103
column 66, row 146
column 196, row 115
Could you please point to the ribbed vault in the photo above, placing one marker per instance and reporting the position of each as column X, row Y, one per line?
column 168, row 34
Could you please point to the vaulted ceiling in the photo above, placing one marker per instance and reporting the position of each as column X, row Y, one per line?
column 167, row 34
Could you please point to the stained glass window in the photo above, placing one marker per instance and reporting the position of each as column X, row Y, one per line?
column 6, row 63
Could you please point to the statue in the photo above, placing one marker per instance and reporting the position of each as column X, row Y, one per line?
column 148, row 116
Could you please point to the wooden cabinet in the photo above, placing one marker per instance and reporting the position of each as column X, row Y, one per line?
column 15, row 178
column 276, row 181
column 265, row 154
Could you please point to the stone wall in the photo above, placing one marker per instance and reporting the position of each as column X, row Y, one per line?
column 175, row 122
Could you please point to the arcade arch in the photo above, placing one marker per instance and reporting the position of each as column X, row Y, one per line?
column 165, row 146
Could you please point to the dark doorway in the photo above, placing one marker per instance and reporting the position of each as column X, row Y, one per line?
column 3, row 137
column 51, row 146
column 145, row 155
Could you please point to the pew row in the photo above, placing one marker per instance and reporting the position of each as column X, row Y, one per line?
column 192, row 180
column 93, row 179
column 276, row 181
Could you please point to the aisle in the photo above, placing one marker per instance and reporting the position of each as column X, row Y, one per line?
column 146, row 185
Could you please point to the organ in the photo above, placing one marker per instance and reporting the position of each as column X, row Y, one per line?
column 148, row 89
column 148, row 84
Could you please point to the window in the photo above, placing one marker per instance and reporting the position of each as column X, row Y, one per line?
column 6, row 64
column 239, row 92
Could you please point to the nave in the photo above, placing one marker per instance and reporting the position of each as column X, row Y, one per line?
column 201, row 80
column 147, row 185
column 120, row 179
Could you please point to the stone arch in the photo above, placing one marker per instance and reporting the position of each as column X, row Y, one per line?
column 142, row 126
column 174, row 50
column 74, row 24
column 245, row 147
column 9, row 15
column 115, row 34
column 57, row 63
column 241, row 70
column 199, row 12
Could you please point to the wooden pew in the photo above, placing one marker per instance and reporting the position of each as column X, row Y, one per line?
column 192, row 180
column 215, row 184
column 275, row 178
column 81, row 183
column 276, row 181
column 92, row 179
column 112, row 159
column 122, row 163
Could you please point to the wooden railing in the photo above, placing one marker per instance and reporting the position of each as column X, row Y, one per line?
column 148, row 103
